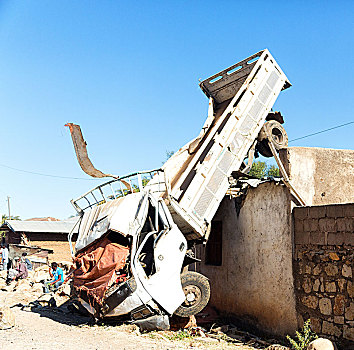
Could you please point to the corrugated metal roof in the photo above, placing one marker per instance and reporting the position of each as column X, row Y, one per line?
column 64, row 226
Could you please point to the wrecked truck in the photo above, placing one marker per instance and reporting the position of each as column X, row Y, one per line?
column 137, row 232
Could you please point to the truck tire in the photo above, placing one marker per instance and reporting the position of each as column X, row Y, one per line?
column 274, row 130
column 196, row 288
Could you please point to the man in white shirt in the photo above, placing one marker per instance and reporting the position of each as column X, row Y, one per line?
column 4, row 256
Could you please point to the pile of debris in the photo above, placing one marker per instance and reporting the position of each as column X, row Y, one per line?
column 24, row 290
column 29, row 291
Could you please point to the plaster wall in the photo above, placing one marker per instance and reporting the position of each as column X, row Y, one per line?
column 255, row 281
column 321, row 175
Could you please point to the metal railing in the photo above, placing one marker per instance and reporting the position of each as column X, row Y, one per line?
column 114, row 189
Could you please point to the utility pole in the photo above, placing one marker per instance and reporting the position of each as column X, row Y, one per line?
column 8, row 205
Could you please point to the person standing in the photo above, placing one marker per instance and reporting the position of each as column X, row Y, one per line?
column 57, row 275
column 5, row 256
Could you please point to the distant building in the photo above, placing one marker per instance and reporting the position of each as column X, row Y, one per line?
column 46, row 234
column 48, row 218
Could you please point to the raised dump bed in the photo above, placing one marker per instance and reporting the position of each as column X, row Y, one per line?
column 241, row 97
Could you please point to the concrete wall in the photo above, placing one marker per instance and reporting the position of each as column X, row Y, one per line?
column 255, row 280
column 321, row 175
column 323, row 271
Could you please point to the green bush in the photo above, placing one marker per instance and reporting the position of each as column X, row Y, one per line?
column 304, row 338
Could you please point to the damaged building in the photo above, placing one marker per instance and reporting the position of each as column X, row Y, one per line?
column 50, row 236
column 275, row 265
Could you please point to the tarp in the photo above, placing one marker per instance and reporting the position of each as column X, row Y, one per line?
column 96, row 267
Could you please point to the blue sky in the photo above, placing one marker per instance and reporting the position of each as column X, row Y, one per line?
column 128, row 72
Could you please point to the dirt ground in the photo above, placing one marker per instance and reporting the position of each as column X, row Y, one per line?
column 50, row 328
column 51, row 321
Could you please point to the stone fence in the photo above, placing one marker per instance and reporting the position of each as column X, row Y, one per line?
column 323, row 269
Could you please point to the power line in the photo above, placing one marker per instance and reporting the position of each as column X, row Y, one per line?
column 47, row 175
column 82, row 178
column 320, row 132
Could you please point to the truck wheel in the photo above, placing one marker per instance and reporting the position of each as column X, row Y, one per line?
column 274, row 130
column 196, row 288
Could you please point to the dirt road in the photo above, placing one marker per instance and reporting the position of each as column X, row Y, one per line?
column 52, row 329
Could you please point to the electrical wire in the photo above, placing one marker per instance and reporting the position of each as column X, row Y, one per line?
column 47, row 175
column 320, row 132
column 82, row 178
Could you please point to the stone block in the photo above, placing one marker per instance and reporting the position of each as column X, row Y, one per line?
column 307, row 227
column 344, row 224
column 331, row 287
column 331, row 329
column 349, row 312
column 333, row 256
column 307, row 285
column 350, row 289
column 348, row 332
column 331, row 269
column 322, row 285
column 316, row 325
column 300, row 266
column 316, row 285
column 327, row 225
column 310, row 301
column 317, row 212
column 313, row 225
column 301, row 213
column 339, row 319
column 298, row 225
column 317, row 270
column 302, row 237
column 341, row 284
column 349, row 238
column 348, row 210
column 338, row 306
column 336, row 238
column 325, row 306
column 318, row 238
column 334, row 211
column 308, row 269
column 347, row 271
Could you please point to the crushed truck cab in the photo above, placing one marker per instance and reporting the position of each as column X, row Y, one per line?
column 136, row 232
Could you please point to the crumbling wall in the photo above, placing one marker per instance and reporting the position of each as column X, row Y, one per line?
column 321, row 175
column 61, row 250
column 254, row 282
column 323, row 269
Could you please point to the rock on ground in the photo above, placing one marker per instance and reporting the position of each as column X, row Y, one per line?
column 7, row 318
column 321, row 344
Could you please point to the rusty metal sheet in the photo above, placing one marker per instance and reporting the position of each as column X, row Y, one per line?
column 81, row 153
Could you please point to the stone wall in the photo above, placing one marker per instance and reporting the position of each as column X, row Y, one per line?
column 323, row 269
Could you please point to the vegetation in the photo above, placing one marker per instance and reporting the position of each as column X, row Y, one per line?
column 169, row 154
column 262, row 169
column 304, row 338
column 3, row 219
column 180, row 335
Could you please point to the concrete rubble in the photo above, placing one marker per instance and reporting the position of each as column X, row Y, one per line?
column 26, row 292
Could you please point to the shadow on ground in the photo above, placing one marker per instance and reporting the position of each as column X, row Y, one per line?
column 65, row 314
